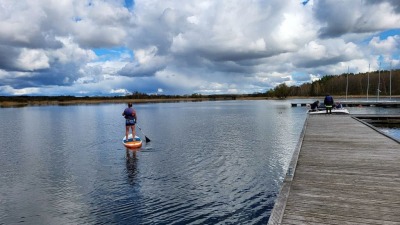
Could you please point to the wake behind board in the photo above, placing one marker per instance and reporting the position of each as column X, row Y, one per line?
column 132, row 142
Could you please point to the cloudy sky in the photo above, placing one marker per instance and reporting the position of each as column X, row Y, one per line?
column 115, row 47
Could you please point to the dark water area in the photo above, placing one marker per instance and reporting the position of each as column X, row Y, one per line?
column 392, row 130
column 216, row 162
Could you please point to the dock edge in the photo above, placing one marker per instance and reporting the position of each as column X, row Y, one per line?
column 280, row 202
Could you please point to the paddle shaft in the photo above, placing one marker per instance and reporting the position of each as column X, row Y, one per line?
column 147, row 139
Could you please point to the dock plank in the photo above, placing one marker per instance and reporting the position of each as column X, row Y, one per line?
column 346, row 173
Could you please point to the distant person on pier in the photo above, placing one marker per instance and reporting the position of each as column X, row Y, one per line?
column 338, row 105
column 328, row 102
column 314, row 106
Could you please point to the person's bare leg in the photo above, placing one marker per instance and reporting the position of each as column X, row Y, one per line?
column 133, row 131
column 126, row 132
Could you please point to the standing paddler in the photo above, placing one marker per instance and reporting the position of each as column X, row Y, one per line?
column 130, row 121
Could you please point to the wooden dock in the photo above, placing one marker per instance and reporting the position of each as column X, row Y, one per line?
column 342, row 172
column 382, row 104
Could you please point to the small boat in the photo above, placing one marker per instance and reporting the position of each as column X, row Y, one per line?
column 132, row 142
column 334, row 111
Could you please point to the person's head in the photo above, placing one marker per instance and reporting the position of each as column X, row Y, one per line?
column 129, row 104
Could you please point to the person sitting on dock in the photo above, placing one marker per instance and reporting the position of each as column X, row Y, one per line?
column 314, row 106
column 328, row 102
column 338, row 105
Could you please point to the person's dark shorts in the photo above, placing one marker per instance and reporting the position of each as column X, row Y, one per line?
column 130, row 122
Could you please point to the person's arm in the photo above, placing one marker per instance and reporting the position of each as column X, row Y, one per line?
column 134, row 115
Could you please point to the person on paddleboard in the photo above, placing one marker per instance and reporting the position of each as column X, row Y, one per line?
column 130, row 120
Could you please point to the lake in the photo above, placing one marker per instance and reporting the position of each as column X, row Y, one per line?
column 216, row 162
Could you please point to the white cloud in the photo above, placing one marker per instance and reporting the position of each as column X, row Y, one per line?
column 8, row 90
column 49, row 47
column 32, row 60
column 71, row 52
column 119, row 91
column 341, row 17
column 385, row 47
column 146, row 63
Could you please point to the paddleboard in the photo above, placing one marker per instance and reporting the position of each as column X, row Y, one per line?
column 132, row 142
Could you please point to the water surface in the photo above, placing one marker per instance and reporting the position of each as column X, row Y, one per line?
column 216, row 162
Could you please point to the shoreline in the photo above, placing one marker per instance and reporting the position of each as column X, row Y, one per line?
column 12, row 103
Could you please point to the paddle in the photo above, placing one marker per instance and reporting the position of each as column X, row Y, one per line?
column 147, row 139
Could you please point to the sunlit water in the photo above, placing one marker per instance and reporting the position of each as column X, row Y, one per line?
column 207, row 163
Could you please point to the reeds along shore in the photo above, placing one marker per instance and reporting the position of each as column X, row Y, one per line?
column 5, row 102
column 86, row 101
column 13, row 103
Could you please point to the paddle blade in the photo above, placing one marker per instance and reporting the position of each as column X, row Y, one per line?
column 147, row 139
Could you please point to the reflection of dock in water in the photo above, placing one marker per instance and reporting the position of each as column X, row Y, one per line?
column 342, row 172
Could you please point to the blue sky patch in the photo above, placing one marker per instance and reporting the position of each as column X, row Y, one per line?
column 305, row 2
column 129, row 4
column 385, row 34
column 109, row 54
column 382, row 36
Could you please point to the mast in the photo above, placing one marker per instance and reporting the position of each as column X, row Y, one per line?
column 369, row 67
column 379, row 81
column 390, row 83
column 347, row 83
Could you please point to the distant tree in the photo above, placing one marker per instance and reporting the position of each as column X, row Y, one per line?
column 357, row 84
column 196, row 95
column 270, row 93
column 282, row 91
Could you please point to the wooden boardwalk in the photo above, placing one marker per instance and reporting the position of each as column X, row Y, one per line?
column 342, row 172
column 383, row 104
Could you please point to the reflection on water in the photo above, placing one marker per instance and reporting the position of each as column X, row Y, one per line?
column 131, row 166
column 207, row 163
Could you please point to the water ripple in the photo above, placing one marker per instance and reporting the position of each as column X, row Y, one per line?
column 207, row 163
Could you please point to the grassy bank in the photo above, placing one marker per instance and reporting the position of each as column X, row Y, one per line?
column 32, row 101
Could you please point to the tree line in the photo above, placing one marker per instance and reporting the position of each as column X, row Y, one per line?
column 355, row 84
column 359, row 84
column 131, row 96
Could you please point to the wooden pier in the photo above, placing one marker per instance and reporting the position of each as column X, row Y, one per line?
column 383, row 104
column 342, row 172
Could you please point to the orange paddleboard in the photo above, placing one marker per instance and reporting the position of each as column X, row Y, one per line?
column 132, row 142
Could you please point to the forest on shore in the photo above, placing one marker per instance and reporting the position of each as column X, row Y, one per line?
column 361, row 84
column 388, row 82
